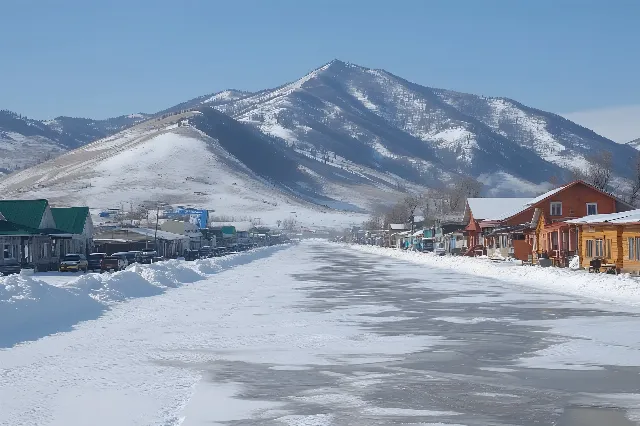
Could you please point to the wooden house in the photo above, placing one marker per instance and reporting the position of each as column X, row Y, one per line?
column 397, row 231
column 75, row 222
column 547, row 216
column 612, row 238
column 483, row 215
column 26, row 232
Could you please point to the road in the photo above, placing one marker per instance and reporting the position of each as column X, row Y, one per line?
column 319, row 334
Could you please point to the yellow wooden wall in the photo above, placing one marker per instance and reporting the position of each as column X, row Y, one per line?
column 604, row 232
column 629, row 231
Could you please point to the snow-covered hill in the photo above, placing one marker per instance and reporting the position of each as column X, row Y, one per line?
column 375, row 118
column 160, row 161
column 343, row 137
column 635, row 144
column 25, row 142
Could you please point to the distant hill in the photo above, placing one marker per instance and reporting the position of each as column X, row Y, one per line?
column 343, row 137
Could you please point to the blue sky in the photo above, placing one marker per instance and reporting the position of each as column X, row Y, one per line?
column 106, row 58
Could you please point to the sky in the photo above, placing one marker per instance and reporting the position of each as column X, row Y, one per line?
column 102, row 59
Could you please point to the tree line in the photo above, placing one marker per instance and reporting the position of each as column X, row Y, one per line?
column 448, row 203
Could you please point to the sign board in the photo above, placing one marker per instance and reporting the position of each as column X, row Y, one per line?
column 200, row 218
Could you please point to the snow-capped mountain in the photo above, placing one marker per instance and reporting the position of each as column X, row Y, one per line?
column 635, row 144
column 210, row 160
column 380, row 120
column 25, row 142
column 343, row 137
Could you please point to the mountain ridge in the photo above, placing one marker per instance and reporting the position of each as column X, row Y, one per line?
column 374, row 120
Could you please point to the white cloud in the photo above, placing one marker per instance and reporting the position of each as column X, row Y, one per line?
column 621, row 124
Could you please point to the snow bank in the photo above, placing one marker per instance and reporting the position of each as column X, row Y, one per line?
column 30, row 308
column 114, row 287
column 172, row 273
column 612, row 288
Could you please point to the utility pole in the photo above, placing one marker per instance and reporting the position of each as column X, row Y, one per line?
column 155, row 237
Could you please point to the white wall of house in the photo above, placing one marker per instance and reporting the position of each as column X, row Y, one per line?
column 47, row 219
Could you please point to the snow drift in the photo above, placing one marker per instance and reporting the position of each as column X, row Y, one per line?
column 622, row 288
column 30, row 308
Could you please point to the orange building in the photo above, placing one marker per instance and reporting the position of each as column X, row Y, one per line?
column 539, row 225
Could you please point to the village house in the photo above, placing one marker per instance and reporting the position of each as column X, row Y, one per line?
column 397, row 233
column 613, row 239
column 449, row 235
column 27, row 233
column 188, row 229
column 538, row 225
column 77, row 224
column 482, row 216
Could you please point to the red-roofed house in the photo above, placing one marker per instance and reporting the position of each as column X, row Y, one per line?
column 539, row 225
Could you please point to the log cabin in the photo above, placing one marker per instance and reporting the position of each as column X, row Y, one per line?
column 612, row 238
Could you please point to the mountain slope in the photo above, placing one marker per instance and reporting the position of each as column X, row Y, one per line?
column 25, row 142
column 635, row 144
column 376, row 119
column 206, row 158
column 343, row 137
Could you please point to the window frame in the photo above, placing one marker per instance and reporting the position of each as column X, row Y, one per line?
column 589, row 248
column 552, row 204
column 596, row 207
column 599, row 247
column 631, row 242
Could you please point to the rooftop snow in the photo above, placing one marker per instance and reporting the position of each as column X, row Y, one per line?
column 631, row 216
column 545, row 195
column 495, row 208
column 398, row 226
column 163, row 235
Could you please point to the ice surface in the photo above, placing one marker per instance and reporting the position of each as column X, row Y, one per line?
column 622, row 289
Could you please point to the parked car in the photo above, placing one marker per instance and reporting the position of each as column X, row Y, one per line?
column 440, row 250
column 74, row 263
column 191, row 255
column 10, row 265
column 128, row 257
column 115, row 263
column 147, row 255
column 95, row 260
column 137, row 256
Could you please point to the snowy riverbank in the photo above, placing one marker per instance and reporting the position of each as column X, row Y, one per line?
column 31, row 308
column 611, row 288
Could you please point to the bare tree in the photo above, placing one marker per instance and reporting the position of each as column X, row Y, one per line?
column 402, row 211
column 290, row 224
column 463, row 187
column 375, row 222
column 600, row 170
column 634, row 191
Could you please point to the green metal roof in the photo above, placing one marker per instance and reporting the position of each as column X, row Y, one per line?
column 70, row 220
column 13, row 229
column 26, row 213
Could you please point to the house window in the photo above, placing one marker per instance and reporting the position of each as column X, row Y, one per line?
column 634, row 248
column 607, row 253
column 556, row 208
column 599, row 248
column 589, row 248
column 554, row 241
column 592, row 208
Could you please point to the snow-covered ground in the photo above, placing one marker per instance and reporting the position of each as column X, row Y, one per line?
column 156, row 161
column 623, row 288
column 310, row 334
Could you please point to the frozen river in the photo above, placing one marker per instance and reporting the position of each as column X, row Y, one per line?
column 318, row 334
